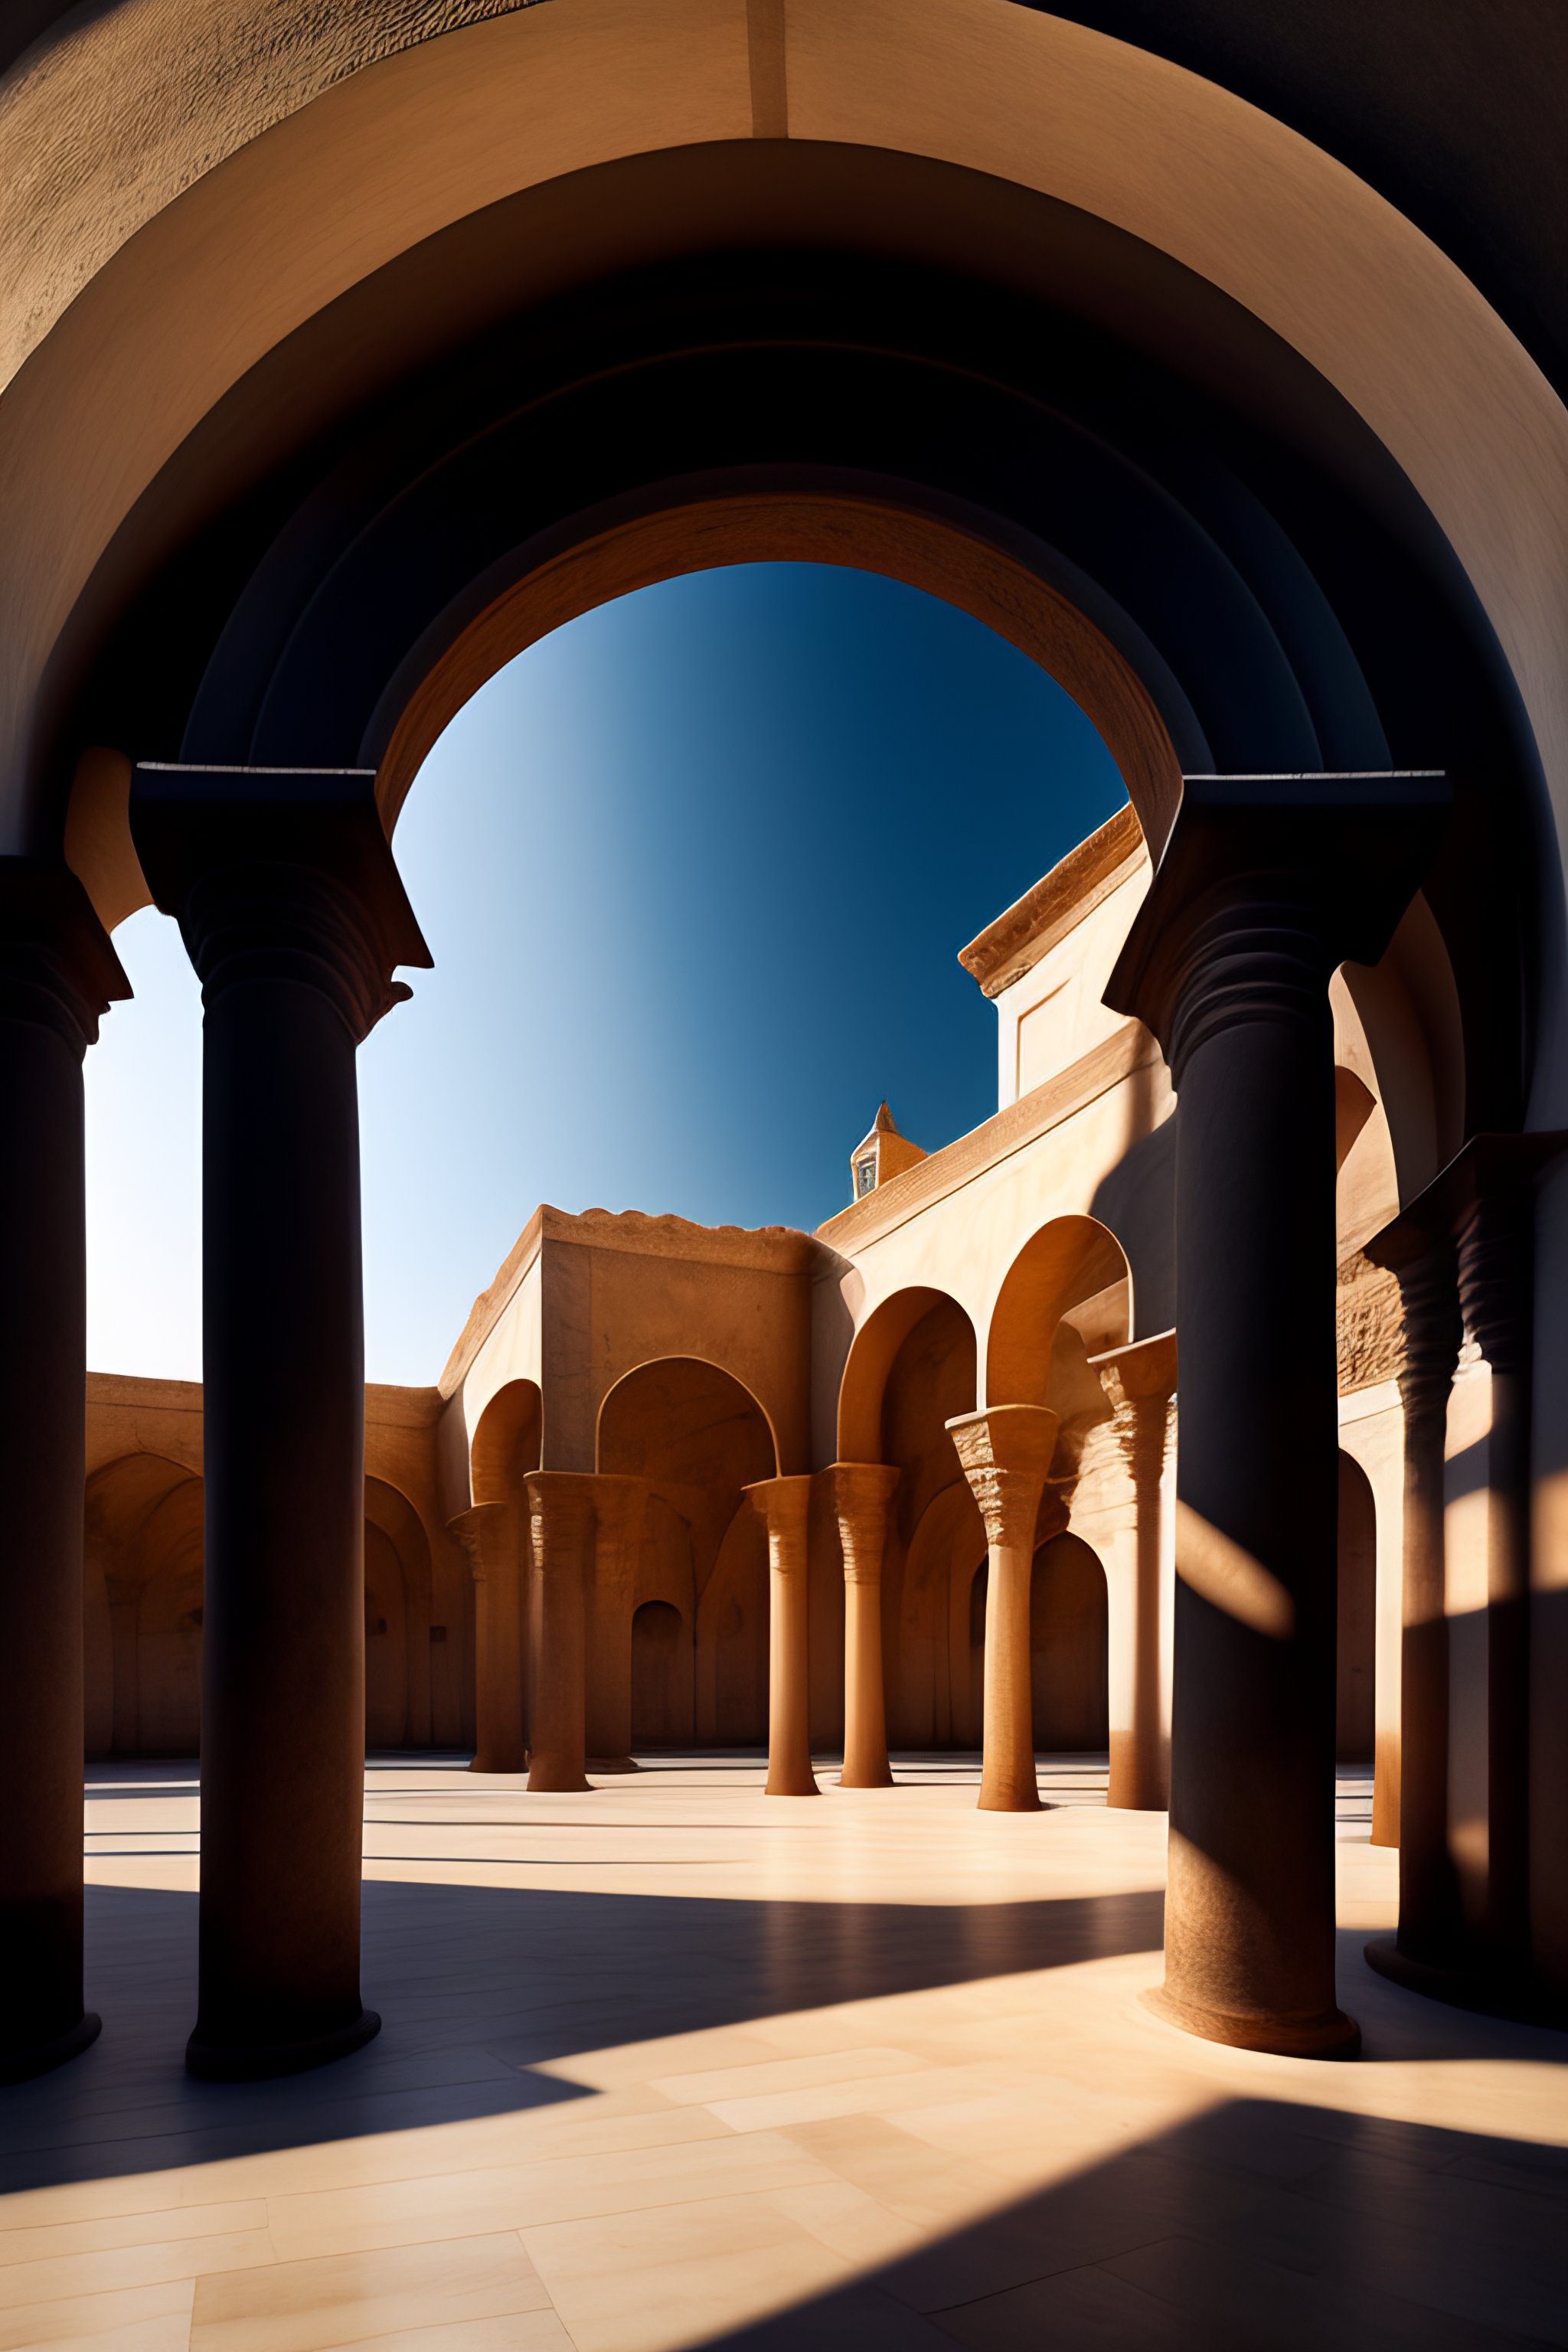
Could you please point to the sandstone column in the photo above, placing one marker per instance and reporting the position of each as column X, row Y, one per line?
column 560, row 1531
column 1489, row 1573
column 619, row 1506
column 786, row 1507
column 1266, row 886
column 1462, row 1253
column 1429, row 1287
column 57, row 975
column 1136, row 1453
column 862, row 1493
column 293, row 914
column 1006, row 1452
column 491, row 1535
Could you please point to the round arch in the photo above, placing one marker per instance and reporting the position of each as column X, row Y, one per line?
column 1066, row 1264
column 1166, row 458
column 507, row 1441
column 872, row 1355
column 662, row 1418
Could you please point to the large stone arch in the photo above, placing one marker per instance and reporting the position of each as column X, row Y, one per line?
column 1070, row 1265
column 1215, row 283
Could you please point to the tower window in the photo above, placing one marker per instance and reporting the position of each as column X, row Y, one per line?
column 865, row 1177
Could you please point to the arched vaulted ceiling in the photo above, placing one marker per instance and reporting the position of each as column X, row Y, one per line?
column 431, row 345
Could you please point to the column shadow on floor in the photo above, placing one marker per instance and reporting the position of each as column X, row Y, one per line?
column 477, row 1986
column 1260, row 2226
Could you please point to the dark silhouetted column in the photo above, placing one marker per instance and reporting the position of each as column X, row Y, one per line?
column 1137, row 1455
column 560, row 1531
column 1266, row 886
column 1006, row 1453
column 58, row 974
column 620, row 1504
column 862, row 1492
column 786, row 1507
column 491, row 1535
column 293, row 914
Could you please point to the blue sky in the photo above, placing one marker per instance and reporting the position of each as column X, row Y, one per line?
column 695, row 871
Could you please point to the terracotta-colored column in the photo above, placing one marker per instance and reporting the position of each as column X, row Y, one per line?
column 294, row 915
column 1488, row 1572
column 1006, row 1452
column 784, row 1504
column 1266, row 884
column 1140, row 1383
column 491, row 1535
column 58, row 974
column 561, row 1533
column 1424, row 1260
column 862, row 1492
column 1462, row 1252
column 620, row 1504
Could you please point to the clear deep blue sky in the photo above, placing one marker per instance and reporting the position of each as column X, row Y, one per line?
column 695, row 871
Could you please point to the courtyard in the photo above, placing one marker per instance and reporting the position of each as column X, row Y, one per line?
column 667, row 2064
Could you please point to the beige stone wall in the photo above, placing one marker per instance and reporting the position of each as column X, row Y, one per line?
column 144, row 1587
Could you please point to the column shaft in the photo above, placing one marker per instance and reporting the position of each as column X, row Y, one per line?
column 786, row 1507
column 560, row 1528
column 493, row 1535
column 862, row 1493
column 1266, row 884
column 1006, row 1452
column 1427, row 1890
column 58, row 972
column 293, row 914
column 1139, row 1381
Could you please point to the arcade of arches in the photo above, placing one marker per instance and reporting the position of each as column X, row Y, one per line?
column 1192, row 374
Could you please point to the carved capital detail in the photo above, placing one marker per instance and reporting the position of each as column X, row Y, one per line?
column 58, row 967
column 784, row 1506
column 862, row 1495
column 1006, row 1452
column 559, row 1517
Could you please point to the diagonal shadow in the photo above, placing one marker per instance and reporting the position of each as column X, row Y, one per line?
column 478, row 1986
column 1259, row 2226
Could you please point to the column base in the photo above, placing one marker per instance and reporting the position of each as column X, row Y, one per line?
column 872, row 1778
column 788, row 1785
column 258, row 2063
column 1332, row 2034
column 1485, row 1994
column 21, row 2065
column 556, row 1780
column 1007, row 1801
column 614, row 1764
column 483, row 1764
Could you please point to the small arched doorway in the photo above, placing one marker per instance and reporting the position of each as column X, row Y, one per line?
column 661, row 1676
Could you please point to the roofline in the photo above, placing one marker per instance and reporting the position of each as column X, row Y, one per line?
column 1008, row 947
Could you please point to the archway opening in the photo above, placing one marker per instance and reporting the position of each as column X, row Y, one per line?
column 698, row 1437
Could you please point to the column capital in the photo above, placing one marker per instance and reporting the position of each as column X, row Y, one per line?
column 280, row 875
column 482, row 1530
column 559, row 1513
column 1006, row 1452
column 1461, row 1252
column 1266, row 884
column 862, row 1492
column 784, row 1503
column 58, row 967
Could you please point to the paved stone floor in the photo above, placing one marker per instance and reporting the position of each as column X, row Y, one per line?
column 669, row 2065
